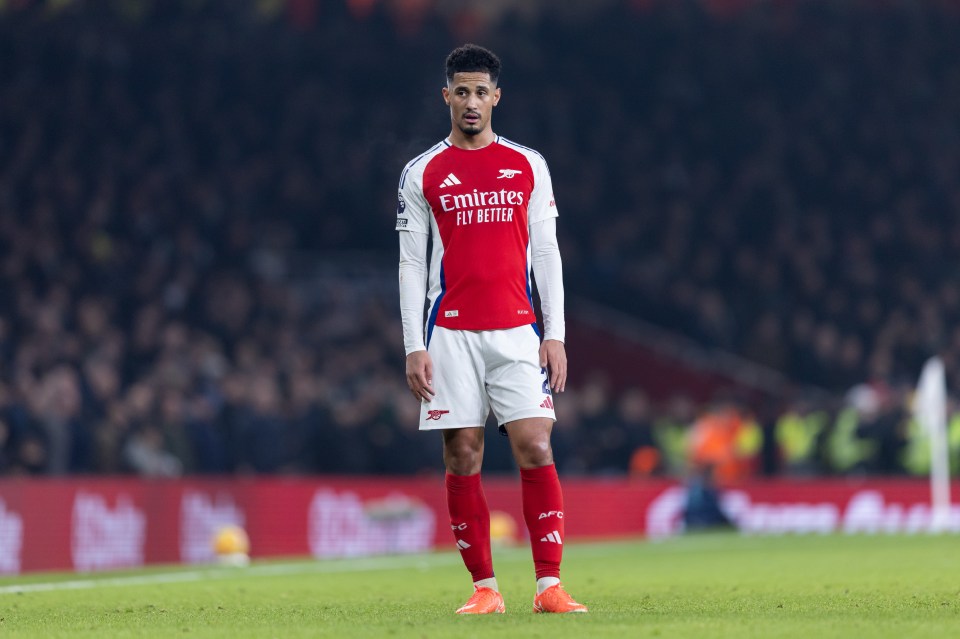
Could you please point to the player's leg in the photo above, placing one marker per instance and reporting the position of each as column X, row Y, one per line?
column 543, row 513
column 458, row 410
column 542, row 496
column 521, row 399
column 470, row 516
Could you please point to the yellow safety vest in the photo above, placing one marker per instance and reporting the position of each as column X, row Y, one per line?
column 844, row 449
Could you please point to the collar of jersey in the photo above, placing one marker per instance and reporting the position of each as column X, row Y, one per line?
column 496, row 140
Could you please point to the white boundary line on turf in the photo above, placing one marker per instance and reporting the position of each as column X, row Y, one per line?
column 394, row 562
column 335, row 566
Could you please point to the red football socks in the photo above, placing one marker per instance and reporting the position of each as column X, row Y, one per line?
column 470, row 521
column 543, row 512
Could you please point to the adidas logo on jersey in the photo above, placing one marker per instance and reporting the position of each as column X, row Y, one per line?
column 547, row 403
column 462, row 545
column 552, row 537
column 450, row 181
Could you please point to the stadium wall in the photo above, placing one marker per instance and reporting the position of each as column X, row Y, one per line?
column 101, row 524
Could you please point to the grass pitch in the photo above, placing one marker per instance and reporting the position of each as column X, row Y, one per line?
column 699, row 587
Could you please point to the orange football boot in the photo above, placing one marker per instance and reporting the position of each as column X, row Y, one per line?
column 483, row 602
column 556, row 599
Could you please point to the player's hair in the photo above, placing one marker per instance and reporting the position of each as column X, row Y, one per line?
column 471, row 57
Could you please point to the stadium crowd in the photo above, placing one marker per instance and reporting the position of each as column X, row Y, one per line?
column 189, row 199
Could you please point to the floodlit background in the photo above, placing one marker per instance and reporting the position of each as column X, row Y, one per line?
column 759, row 218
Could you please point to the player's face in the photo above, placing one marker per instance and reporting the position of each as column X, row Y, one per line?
column 471, row 98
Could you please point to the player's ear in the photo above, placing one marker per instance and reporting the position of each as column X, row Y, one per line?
column 496, row 96
column 446, row 95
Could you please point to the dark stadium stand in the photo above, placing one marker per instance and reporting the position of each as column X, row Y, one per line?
column 196, row 214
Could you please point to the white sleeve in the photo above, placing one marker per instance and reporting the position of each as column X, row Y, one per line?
column 413, row 288
column 413, row 224
column 542, row 205
column 413, row 212
column 548, row 271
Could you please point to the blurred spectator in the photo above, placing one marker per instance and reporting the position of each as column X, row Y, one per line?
column 722, row 444
column 263, row 431
column 146, row 455
column 597, row 431
column 671, row 430
column 638, row 450
column 7, row 444
column 798, row 433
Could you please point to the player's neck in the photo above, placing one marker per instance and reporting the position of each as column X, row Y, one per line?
column 471, row 142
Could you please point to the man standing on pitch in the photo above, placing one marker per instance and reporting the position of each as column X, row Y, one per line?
column 488, row 204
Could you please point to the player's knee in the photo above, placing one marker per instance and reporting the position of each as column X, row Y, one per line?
column 534, row 453
column 462, row 457
column 463, row 464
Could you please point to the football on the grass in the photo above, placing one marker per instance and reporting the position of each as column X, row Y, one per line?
column 231, row 545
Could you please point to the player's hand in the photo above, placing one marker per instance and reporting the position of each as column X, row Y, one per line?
column 420, row 375
column 553, row 357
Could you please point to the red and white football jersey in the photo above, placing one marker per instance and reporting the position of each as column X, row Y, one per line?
column 478, row 205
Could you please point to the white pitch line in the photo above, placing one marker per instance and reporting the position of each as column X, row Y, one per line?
column 336, row 566
column 83, row 584
column 395, row 562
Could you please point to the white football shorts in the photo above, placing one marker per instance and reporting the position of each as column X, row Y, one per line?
column 476, row 371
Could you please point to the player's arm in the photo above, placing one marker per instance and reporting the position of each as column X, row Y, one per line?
column 548, row 271
column 413, row 227
column 413, row 287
